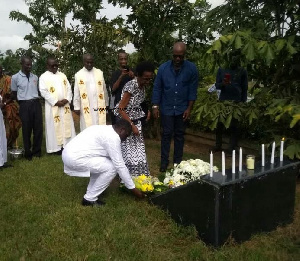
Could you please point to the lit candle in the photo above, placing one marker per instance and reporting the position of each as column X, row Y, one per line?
column 233, row 161
column 281, row 149
column 223, row 163
column 273, row 153
column 240, row 160
column 211, row 164
column 263, row 155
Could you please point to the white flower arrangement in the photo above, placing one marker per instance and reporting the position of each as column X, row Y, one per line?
column 187, row 171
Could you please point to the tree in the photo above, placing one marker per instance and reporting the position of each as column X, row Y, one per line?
column 267, row 35
column 50, row 36
column 153, row 26
column 10, row 61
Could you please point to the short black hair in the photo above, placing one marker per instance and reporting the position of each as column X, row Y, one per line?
column 122, row 123
column 121, row 51
column 53, row 58
column 142, row 67
column 86, row 55
column 23, row 58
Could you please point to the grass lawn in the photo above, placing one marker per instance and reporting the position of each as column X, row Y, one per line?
column 41, row 219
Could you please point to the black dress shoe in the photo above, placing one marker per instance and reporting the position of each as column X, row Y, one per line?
column 29, row 158
column 6, row 165
column 97, row 203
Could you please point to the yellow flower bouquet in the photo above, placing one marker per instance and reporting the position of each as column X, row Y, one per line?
column 143, row 183
column 148, row 184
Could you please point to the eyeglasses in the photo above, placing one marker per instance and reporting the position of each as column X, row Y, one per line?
column 178, row 56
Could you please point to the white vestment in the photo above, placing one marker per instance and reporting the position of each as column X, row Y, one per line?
column 3, row 141
column 96, row 152
column 57, row 82
column 91, row 87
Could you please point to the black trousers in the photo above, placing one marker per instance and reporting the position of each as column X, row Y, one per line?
column 32, row 122
column 234, row 134
column 172, row 125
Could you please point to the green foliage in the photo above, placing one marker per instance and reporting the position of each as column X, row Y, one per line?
column 50, row 36
column 152, row 24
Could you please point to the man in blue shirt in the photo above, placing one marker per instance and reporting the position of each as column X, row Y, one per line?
column 174, row 94
column 24, row 86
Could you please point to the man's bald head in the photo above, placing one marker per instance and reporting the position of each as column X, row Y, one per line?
column 179, row 46
column 88, row 61
column 179, row 50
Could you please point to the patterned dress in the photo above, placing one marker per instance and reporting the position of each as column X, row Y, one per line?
column 133, row 148
column 10, row 112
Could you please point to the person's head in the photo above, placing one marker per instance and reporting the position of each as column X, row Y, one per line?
column 122, row 58
column 123, row 128
column 144, row 72
column 52, row 65
column 26, row 64
column 235, row 59
column 179, row 50
column 88, row 61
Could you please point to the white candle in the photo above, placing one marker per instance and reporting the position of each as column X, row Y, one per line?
column 240, row 160
column 273, row 153
column 233, row 161
column 263, row 155
column 223, row 163
column 211, row 164
column 281, row 149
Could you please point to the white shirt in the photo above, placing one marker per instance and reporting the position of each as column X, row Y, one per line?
column 95, row 141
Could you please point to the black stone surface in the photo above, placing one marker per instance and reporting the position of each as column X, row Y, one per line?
column 236, row 205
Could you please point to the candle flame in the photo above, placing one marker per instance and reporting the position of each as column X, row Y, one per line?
column 282, row 139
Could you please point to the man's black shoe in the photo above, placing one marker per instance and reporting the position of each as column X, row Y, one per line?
column 29, row 158
column 97, row 203
column 6, row 165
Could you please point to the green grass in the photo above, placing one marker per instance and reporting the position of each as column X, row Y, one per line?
column 41, row 219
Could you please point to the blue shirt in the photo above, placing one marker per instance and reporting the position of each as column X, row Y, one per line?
column 173, row 90
column 26, row 89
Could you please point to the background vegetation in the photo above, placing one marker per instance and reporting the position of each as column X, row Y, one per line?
column 265, row 31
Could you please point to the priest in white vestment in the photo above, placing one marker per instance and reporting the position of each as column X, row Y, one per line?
column 96, row 153
column 90, row 94
column 3, row 141
column 56, row 90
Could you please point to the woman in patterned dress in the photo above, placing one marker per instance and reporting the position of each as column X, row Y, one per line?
column 10, row 110
column 129, row 108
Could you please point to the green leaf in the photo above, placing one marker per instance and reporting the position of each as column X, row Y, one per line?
column 296, row 118
column 217, row 46
column 279, row 44
column 290, row 49
column 224, row 39
column 293, row 151
column 238, row 42
column 249, row 51
column 228, row 121
column 261, row 45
